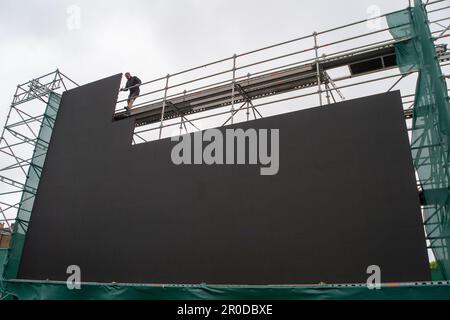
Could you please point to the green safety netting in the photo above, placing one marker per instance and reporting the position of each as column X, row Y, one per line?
column 3, row 254
column 431, row 124
column 45, row 290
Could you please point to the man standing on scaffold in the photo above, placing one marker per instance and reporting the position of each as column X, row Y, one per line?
column 133, row 84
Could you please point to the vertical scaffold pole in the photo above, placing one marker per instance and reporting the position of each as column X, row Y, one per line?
column 181, row 126
column 319, row 84
column 328, row 90
column 248, row 103
column 182, row 117
column 233, row 89
column 164, row 105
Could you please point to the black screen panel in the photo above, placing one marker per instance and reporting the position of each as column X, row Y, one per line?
column 344, row 199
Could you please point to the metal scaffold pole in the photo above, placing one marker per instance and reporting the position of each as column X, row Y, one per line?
column 316, row 50
column 164, row 105
column 233, row 89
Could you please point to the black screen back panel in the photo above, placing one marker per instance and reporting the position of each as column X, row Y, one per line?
column 344, row 199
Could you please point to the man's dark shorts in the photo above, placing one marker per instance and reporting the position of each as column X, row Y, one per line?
column 133, row 95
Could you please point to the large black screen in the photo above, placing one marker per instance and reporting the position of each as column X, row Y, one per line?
column 344, row 199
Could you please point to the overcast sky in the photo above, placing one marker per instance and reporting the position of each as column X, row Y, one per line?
column 154, row 37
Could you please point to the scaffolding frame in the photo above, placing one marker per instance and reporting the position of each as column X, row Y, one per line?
column 20, row 139
column 328, row 89
column 22, row 131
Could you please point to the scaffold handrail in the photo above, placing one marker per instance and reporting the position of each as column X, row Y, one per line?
column 169, row 95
